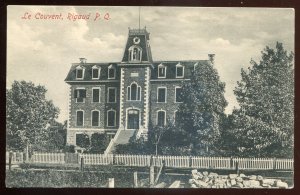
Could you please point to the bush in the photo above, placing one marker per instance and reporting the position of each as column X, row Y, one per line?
column 99, row 142
column 69, row 148
column 83, row 141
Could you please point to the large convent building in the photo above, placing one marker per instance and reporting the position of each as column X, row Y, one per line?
column 125, row 96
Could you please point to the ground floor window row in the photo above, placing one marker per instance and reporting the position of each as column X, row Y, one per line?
column 83, row 139
column 133, row 118
column 111, row 116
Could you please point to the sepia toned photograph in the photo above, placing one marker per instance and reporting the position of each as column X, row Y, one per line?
column 150, row 97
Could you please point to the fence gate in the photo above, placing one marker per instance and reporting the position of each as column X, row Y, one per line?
column 72, row 158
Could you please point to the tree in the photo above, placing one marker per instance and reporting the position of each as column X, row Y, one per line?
column 28, row 113
column 57, row 133
column 264, row 124
column 155, row 134
column 202, row 107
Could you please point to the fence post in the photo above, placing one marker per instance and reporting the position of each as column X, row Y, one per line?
column 111, row 182
column 231, row 163
column 190, row 161
column 135, row 180
column 151, row 175
column 274, row 163
column 82, row 164
column 27, row 152
column 9, row 160
column 163, row 170
column 113, row 159
column 237, row 167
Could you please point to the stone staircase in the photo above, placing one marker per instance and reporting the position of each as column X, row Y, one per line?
column 121, row 137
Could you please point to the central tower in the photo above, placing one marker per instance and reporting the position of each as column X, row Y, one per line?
column 135, row 69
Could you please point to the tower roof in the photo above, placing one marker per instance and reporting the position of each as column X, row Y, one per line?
column 137, row 49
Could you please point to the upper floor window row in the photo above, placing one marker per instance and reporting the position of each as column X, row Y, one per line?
column 80, row 72
column 162, row 71
column 162, row 95
column 80, row 95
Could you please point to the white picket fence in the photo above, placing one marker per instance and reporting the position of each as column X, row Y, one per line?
column 170, row 161
column 132, row 160
column 254, row 163
column 17, row 157
column 211, row 162
column 51, row 158
column 97, row 159
column 284, row 164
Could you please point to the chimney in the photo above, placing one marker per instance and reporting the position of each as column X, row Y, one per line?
column 82, row 60
column 211, row 58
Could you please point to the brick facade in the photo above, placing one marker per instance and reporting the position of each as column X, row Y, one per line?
column 136, row 68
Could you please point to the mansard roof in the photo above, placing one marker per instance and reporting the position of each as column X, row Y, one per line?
column 88, row 71
column 170, row 69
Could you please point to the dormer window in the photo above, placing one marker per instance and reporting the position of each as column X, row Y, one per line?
column 111, row 72
column 79, row 72
column 179, row 71
column 135, row 53
column 162, row 71
column 95, row 72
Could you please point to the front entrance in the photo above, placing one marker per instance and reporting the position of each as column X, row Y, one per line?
column 133, row 119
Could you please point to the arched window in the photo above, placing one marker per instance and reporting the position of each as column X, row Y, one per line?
column 134, row 92
column 135, row 53
column 161, row 118
column 111, row 118
column 95, row 118
column 79, row 118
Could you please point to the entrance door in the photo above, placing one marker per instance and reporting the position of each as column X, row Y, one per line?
column 133, row 119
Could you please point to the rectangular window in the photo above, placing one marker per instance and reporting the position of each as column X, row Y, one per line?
column 79, row 118
column 178, row 94
column 79, row 73
column 161, row 118
column 112, row 95
column 179, row 72
column 111, row 118
column 95, row 118
column 79, row 95
column 161, row 95
column 96, row 95
column 161, row 72
column 95, row 73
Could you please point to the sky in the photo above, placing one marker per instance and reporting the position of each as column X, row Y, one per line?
column 42, row 50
